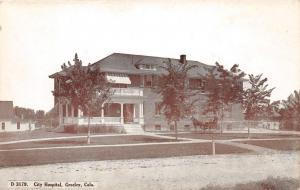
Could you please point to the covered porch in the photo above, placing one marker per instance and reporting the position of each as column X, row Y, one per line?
column 113, row 113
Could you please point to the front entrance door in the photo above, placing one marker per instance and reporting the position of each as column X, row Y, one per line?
column 128, row 113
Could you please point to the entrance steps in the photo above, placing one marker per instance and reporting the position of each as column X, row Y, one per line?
column 133, row 128
column 59, row 129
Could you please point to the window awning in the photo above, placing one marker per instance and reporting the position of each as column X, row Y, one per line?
column 118, row 78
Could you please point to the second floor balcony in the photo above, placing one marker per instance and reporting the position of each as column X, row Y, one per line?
column 128, row 91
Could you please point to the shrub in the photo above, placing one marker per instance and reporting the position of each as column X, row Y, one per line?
column 270, row 183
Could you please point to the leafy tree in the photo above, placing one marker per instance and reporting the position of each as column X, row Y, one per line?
column 272, row 110
column 40, row 114
column 40, row 118
column 176, row 98
column 24, row 113
column 256, row 97
column 52, row 117
column 85, row 88
column 290, row 111
column 225, row 89
column 256, row 101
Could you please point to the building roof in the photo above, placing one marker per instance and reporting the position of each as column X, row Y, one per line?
column 6, row 110
column 127, row 63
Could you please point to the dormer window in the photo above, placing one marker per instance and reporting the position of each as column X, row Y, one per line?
column 146, row 67
column 197, row 84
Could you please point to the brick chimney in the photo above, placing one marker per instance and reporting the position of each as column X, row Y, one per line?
column 182, row 59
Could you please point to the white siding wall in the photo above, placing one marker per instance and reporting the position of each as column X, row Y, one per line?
column 12, row 127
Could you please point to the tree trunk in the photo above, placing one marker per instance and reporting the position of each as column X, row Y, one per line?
column 176, row 132
column 219, row 121
column 89, row 131
column 249, row 130
column 222, row 116
column 213, row 145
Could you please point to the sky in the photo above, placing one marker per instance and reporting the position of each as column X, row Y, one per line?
column 36, row 37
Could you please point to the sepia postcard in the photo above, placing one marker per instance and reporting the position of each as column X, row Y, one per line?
column 128, row 94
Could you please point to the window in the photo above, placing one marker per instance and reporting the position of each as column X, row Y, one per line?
column 135, row 80
column 148, row 81
column 64, row 110
column 75, row 112
column 18, row 125
column 146, row 67
column 195, row 83
column 3, row 125
column 203, row 86
column 69, row 110
column 112, row 110
column 157, row 108
column 155, row 81
column 157, row 127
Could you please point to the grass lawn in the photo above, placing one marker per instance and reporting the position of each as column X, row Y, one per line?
column 35, row 134
column 228, row 136
column 48, row 156
column 104, row 140
column 276, row 144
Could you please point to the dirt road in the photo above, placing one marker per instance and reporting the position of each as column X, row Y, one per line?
column 190, row 172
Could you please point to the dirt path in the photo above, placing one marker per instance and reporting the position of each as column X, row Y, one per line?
column 192, row 172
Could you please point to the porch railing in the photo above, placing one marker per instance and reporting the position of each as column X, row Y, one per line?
column 111, row 120
column 128, row 91
column 70, row 120
column 93, row 120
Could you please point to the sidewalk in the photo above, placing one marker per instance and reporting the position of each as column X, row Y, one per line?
column 257, row 149
column 231, row 142
column 58, row 138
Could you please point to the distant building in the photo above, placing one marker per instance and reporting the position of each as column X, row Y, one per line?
column 9, row 122
column 135, row 104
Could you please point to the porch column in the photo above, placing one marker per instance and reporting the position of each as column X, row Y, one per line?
column 67, row 110
column 141, row 116
column 60, row 114
column 72, row 114
column 142, row 80
column 72, row 111
column 122, row 116
column 134, row 113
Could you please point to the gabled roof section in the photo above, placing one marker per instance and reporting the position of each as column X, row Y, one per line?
column 6, row 110
column 127, row 63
